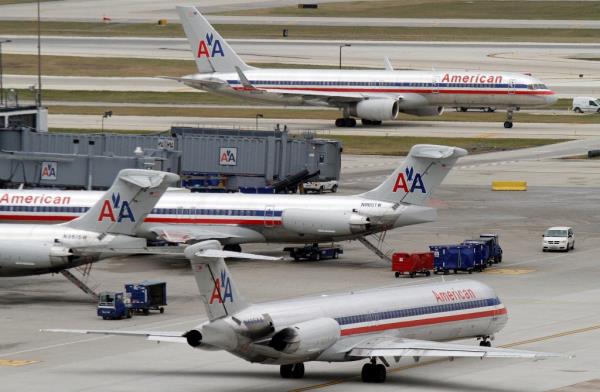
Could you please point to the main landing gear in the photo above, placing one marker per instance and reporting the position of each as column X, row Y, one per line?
column 347, row 122
column 373, row 372
column 295, row 370
column 485, row 342
column 509, row 119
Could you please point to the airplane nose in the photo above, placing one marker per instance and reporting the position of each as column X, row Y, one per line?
column 551, row 98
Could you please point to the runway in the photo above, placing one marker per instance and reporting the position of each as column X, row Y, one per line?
column 558, row 65
column 550, row 297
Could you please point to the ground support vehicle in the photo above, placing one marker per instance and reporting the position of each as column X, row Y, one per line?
column 314, row 252
column 113, row 306
column 412, row 264
column 147, row 296
column 495, row 248
column 321, row 186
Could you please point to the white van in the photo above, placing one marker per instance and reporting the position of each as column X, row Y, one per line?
column 586, row 104
column 558, row 238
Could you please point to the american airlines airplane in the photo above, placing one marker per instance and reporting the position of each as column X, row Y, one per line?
column 373, row 96
column 236, row 218
column 108, row 225
column 376, row 325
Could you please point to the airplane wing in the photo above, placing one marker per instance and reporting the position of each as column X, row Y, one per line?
column 395, row 347
column 155, row 336
column 185, row 233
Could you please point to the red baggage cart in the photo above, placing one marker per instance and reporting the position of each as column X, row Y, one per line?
column 412, row 264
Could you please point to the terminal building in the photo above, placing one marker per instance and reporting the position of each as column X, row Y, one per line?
column 207, row 159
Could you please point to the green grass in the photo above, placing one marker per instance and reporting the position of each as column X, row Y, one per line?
column 24, row 64
column 308, row 32
column 479, row 9
column 400, row 145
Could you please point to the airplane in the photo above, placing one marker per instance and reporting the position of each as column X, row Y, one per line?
column 236, row 218
column 108, row 226
column 377, row 324
column 373, row 96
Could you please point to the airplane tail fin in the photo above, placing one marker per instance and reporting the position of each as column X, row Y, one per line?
column 211, row 52
column 217, row 289
column 422, row 171
column 126, row 204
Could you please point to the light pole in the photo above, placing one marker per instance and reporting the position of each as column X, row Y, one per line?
column 39, row 47
column 258, row 115
column 342, row 46
column 2, row 73
column 105, row 115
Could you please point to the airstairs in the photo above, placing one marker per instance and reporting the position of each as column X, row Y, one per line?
column 376, row 244
column 80, row 277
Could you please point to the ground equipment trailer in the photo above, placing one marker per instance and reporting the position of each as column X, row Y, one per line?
column 147, row 295
column 412, row 264
column 456, row 258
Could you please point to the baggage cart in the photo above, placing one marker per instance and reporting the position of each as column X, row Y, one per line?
column 412, row 264
column 147, row 295
column 456, row 258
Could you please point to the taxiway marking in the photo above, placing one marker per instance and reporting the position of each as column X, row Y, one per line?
column 15, row 362
column 508, row 271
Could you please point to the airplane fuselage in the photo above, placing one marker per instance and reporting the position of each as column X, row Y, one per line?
column 413, row 89
column 32, row 249
column 331, row 324
column 244, row 218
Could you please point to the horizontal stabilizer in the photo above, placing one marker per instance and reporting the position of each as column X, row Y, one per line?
column 155, row 336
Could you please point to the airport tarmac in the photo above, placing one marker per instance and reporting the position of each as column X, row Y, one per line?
column 551, row 297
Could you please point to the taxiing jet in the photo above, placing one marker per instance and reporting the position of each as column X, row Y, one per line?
column 371, row 95
column 376, row 325
column 236, row 218
column 108, row 226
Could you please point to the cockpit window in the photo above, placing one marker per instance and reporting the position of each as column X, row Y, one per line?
column 537, row 86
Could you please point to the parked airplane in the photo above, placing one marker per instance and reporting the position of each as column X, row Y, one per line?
column 373, row 96
column 237, row 218
column 375, row 324
column 108, row 225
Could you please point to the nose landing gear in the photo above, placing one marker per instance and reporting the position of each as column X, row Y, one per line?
column 485, row 342
column 509, row 119
column 347, row 122
column 295, row 370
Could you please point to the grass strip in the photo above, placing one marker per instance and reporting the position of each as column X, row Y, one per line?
column 382, row 33
column 400, row 145
column 474, row 9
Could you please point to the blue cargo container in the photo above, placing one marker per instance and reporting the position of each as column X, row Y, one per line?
column 482, row 253
column 147, row 295
column 453, row 258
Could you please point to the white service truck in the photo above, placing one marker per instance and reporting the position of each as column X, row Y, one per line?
column 586, row 104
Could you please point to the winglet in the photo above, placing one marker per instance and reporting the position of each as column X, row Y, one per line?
column 388, row 64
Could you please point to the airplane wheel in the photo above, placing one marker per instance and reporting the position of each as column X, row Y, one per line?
column 485, row 343
column 380, row 373
column 350, row 122
column 366, row 375
column 286, row 371
column 364, row 121
column 339, row 122
column 298, row 370
column 508, row 124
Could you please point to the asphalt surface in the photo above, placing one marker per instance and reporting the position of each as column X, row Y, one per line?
column 551, row 297
column 561, row 66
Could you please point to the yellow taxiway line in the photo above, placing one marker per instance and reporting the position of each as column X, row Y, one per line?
column 15, row 362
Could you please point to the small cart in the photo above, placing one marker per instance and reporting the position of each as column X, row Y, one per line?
column 314, row 252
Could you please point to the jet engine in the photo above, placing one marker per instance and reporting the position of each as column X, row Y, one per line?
column 193, row 337
column 306, row 338
column 377, row 109
column 322, row 222
column 425, row 111
column 41, row 257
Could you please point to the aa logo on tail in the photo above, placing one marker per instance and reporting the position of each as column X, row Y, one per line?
column 409, row 181
column 115, row 210
column 222, row 290
column 210, row 47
